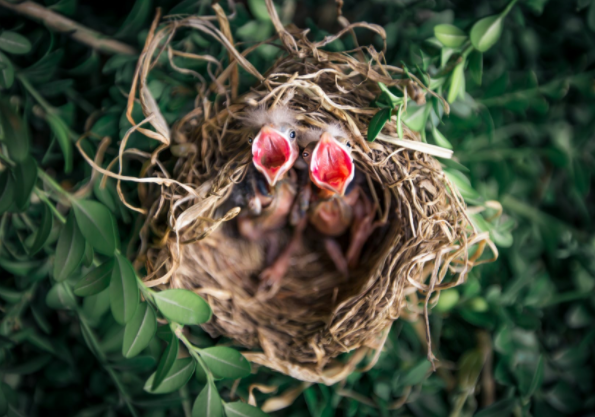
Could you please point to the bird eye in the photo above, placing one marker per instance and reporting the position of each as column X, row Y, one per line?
column 250, row 140
column 292, row 134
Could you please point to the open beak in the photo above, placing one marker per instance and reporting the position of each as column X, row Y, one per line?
column 273, row 154
column 332, row 165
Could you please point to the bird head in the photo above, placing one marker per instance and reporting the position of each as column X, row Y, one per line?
column 274, row 148
column 331, row 164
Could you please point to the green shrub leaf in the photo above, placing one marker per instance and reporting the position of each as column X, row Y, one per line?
column 498, row 409
column 377, row 123
column 43, row 232
column 450, row 35
column 208, row 403
column 97, row 225
column 69, row 251
column 226, row 362
column 61, row 131
column 176, row 378
column 58, row 297
column 6, row 191
column 476, row 66
column 25, row 175
column 239, row 409
column 183, row 306
column 6, row 72
column 96, row 280
column 440, row 139
column 486, row 32
column 167, row 361
column 457, row 82
column 15, row 132
column 14, row 43
column 124, row 291
column 139, row 331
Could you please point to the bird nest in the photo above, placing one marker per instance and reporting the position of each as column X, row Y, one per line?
column 423, row 242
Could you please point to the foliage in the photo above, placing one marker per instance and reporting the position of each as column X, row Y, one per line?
column 516, row 338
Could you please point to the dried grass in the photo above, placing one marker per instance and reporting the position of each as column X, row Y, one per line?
column 424, row 243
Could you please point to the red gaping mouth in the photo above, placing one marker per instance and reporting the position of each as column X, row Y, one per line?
column 332, row 166
column 272, row 154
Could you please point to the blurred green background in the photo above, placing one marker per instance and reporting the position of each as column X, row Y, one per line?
column 516, row 339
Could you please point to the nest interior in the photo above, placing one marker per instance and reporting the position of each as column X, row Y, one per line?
column 421, row 244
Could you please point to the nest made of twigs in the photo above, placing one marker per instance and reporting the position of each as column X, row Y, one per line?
column 421, row 245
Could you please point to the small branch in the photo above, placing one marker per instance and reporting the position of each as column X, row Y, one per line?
column 63, row 24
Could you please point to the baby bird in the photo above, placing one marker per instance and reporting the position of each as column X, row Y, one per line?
column 338, row 204
column 272, row 185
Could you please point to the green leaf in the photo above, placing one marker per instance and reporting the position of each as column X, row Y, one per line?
column 183, row 306
column 392, row 99
column 417, row 374
column 440, row 139
column 25, row 174
column 58, row 297
column 22, row 268
column 89, row 255
column 139, row 331
column 240, row 409
column 4, row 404
column 476, row 66
column 536, row 6
column 400, row 122
column 14, row 43
column 208, row 403
column 537, row 379
column 167, row 361
column 44, row 230
column 450, row 35
column 448, row 300
column 136, row 19
column 462, row 183
column 65, row 7
column 176, row 378
column 10, row 296
column 97, row 225
column 259, row 10
column 486, row 32
column 61, row 131
column 69, row 251
column 6, row 191
column 591, row 17
column 416, row 117
column 226, row 362
column 6, row 72
column 96, row 280
column 95, row 306
column 377, row 123
column 43, row 70
column 498, row 409
column 89, row 66
column 457, row 82
column 15, row 132
column 124, row 293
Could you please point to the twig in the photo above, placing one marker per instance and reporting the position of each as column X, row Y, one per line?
column 60, row 23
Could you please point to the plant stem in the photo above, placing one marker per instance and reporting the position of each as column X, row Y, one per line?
column 60, row 23
column 53, row 208
column 101, row 357
column 38, row 97
column 194, row 351
column 508, row 8
column 53, row 184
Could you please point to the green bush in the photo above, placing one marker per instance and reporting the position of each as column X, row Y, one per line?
column 516, row 339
